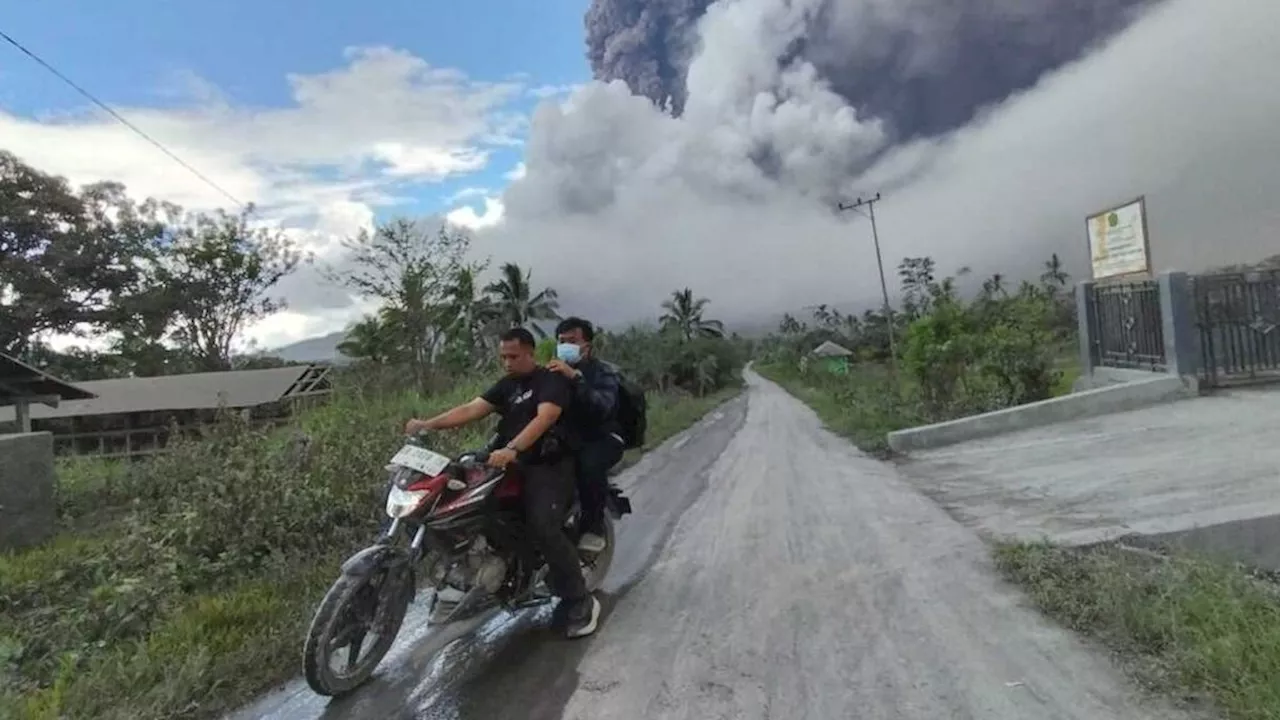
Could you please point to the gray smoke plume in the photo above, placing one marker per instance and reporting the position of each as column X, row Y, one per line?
column 923, row 66
column 623, row 202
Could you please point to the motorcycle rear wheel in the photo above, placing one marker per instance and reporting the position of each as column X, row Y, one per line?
column 349, row 595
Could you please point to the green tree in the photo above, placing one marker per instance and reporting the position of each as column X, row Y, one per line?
column 214, row 280
column 916, row 278
column 516, row 305
column 475, row 312
column 368, row 339
column 410, row 267
column 683, row 315
column 66, row 258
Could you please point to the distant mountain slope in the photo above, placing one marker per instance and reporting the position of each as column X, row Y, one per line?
column 317, row 349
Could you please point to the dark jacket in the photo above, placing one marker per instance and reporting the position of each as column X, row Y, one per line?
column 595, row 400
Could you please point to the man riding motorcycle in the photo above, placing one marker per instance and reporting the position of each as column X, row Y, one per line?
column 593, row 417
column 531, row 402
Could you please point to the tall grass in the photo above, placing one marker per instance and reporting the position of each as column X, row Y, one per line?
column 1197, row 627
column 183, row 584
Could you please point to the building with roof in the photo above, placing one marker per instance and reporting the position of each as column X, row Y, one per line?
column 124, row 417
column 22, row 386
column 835, row 357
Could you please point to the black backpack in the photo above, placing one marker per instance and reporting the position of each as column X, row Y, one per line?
column 631, row 412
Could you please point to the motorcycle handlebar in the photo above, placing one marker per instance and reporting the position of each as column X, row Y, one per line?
column 478, row 458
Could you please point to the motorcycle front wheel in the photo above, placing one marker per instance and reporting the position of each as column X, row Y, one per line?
column 355, row 607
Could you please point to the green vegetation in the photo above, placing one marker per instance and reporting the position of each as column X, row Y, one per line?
column 1195, row 627
column 955, row 357
column 180, row 585
column 189, row 580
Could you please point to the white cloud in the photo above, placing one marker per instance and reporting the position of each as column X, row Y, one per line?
column 467, row 192
column 552, row 91
column 466, row 216
column 387, row 115
column 291, row 326
column 517, row 172
column 317, row 169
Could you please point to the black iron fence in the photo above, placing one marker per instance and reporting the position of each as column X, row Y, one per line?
column 1126, row 329
column 1238, row 315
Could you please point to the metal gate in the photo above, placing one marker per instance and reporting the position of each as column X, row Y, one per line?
column 1126, row 327
column 1237, row 315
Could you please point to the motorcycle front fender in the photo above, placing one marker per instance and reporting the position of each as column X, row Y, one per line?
column 368, row 560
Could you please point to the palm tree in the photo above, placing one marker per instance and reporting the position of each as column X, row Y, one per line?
column 994, row 286
column 472, row 311
column 367, row 340
column 683, row 316
column 1053, row 274
column 515, row 304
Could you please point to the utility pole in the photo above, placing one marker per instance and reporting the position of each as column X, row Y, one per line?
column 870, row 203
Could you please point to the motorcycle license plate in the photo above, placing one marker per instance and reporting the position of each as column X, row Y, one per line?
column 421, row 459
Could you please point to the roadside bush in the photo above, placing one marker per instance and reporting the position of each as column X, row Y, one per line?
column 993, row 353
column 664, row 361
column 956, row 357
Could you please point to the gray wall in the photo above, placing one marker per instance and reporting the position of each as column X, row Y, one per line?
column 27, row 511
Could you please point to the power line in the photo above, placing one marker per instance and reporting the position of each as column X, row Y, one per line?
column 119, row 117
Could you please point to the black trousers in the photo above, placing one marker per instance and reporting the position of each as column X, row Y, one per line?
column 548, row 494
column 594, row 460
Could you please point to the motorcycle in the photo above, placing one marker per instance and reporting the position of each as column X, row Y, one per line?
column 458, row 523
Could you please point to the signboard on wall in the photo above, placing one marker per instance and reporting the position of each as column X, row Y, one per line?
column 1118, row 242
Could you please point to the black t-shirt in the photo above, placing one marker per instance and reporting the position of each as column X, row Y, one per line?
column 516, row 400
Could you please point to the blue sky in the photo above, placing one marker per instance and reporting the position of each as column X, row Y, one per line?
column 144, row 53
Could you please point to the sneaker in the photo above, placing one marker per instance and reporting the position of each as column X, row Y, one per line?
column 583, row 616
column 592, row 543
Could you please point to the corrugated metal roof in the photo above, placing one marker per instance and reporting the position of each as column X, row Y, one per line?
column 831, row 349
column 197, row 391
column 20, row 380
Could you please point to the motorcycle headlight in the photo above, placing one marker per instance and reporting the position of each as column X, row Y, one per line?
column 402, row 503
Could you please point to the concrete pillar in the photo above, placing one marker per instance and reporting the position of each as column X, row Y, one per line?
column 22, row 414
column 1178, row 314
column 1084, row 324
column 27, row 511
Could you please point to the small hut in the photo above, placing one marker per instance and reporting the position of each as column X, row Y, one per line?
column 834, row 357
column 22, row 386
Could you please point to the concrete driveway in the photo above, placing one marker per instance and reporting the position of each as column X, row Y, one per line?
column 1199, row 462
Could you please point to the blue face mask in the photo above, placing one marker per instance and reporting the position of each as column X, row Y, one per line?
column 569, row 353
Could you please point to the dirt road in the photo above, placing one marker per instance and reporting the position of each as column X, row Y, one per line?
column 805, row 581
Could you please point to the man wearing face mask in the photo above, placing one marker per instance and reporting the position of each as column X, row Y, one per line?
column 593, row 415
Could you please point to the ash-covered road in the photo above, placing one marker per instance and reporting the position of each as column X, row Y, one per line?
column 770, row 571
